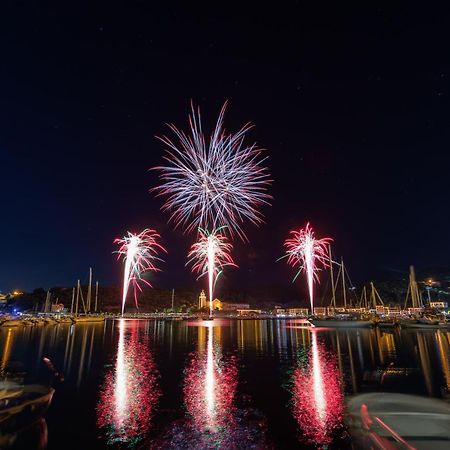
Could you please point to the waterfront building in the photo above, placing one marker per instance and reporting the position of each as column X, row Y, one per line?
column 57, row 308
column 217, row 305
column 234, row 306
column 202, row 300
column 415, row 311
column 302, row 312
column 439, row 304
column 279, row 311
column 248, row 312
column 320, row 311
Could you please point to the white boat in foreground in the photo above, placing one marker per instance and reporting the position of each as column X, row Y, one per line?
column 393, row 421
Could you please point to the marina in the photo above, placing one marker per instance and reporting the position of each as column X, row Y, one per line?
column 225, row 228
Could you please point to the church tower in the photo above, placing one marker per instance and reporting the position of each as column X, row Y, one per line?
column 202, row 300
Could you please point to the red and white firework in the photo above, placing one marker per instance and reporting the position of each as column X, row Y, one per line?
column 209, row 255
column 140, row 254
column 308, row 254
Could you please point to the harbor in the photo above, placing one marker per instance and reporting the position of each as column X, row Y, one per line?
column 225, row 228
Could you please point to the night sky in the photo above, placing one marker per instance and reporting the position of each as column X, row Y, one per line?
column 352, row 106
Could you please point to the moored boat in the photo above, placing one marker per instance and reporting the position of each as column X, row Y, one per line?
column 414, row 323
column 341, row 323
column 11, row 323
column 21, row 405
column 88, row 318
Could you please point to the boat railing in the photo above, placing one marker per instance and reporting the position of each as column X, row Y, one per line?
column 368, row 425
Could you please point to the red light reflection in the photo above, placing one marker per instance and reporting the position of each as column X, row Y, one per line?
column 130, row 392
column 317, row 396
column 210, row 388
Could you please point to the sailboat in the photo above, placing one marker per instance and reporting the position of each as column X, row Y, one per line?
column 416, row 310
column 377, row 305
column 87, row 317
column 347, row 315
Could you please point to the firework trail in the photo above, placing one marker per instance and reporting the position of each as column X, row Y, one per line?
column 139, row 252
column 305, row 252
column 215, row 183
column 209, row 255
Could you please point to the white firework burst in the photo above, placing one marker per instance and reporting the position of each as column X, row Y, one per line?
column 209, row 185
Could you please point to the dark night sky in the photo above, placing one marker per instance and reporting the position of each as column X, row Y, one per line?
column 352, row 106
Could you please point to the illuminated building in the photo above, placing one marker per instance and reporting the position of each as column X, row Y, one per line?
column 216, row 305
column 202, row 300
column 279, row 311
column 247, row 311
column 57, row 307
column 439, row 304
column 320, row 311
column 297, row 311
column 234, row 306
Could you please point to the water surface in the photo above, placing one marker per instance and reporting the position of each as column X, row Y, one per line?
column 220, row 384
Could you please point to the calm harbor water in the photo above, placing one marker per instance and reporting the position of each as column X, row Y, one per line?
column 220, row 384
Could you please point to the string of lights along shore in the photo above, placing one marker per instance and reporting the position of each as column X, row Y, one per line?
column 211, row 187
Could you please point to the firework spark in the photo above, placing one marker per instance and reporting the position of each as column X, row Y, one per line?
column 222, row 182
column 305, row 252
column 209, row 255
column 139, row 252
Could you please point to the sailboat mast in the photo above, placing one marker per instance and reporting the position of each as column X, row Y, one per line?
column 173, row 295
column 73, row 299
column 372, row 296
column 343, row 283
column 47, row 302
column 333, row 287
column 78, row 297
column 416, row 303
column 89, row 293
column 96, row 295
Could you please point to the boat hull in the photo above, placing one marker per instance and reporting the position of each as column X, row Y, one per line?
column 341, row 323
column 19, row 414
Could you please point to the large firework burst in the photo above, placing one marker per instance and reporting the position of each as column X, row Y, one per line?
column 210, row 184
column 139, row 252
